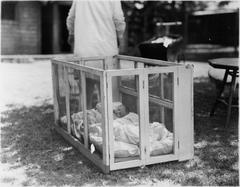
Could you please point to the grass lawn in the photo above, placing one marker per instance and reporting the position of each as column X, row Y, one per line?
column 32, row 155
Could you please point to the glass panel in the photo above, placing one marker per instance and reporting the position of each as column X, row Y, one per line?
column 130, row 102
column 129, row 81
column 155, row 113
column 161, row 138
column 61, row 96
column 168, row 86
column 126, row 125
column 94, row 114
column 154, row 82
column 76, row 104
column 161, row 85
column 168, row 116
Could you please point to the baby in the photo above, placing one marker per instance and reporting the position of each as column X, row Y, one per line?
column 119, row 110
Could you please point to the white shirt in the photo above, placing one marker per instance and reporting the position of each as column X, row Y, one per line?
column 96, row 26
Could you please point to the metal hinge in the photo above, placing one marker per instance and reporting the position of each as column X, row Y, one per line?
column 143, row 84
column 178, row 81
column 178, row 145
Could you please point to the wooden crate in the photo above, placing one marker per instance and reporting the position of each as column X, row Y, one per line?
column 124, row 111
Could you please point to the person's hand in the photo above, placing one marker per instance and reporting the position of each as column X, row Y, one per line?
column 71, row 39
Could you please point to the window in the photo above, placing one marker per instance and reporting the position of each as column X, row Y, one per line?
column 8, row 10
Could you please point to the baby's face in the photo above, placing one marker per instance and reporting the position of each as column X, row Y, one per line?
column 120, row 111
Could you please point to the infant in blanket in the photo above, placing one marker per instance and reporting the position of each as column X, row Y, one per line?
column 93, row 116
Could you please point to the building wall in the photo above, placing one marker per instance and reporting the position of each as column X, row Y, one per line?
column 22, row 35
column 221, row 28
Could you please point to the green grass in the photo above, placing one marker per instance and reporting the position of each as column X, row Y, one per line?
column 33, row 155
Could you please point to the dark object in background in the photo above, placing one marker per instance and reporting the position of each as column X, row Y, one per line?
column 153, row 50
column 157, row 50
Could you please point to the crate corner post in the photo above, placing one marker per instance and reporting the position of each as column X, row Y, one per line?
column 185, row 117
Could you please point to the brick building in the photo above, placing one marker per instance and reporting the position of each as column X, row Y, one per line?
column 34, row 27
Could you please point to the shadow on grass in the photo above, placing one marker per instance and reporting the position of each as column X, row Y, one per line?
column 46, row 159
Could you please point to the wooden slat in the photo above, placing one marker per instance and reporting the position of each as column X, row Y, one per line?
column 176, row 127
column 139, row 85
column 84, row 98
column 124, row 72
column 73, row 141
column 167, row 69
column 55, row 101
column 91, row 70
column 59, row 89
column 68, row 58
column 110, row 120
column 80, row 96
column 142, row 122
column 147, row 61
column 162, row 158
column 105, row 125
column 77, row 58
column 92, row 58
column 147, row 119
column 184, row 117
column 162, row 97
column 136, row 65
column 67, row 98
column 126, row 164
column 105, row 65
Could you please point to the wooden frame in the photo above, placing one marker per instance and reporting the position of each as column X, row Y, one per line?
column 129, row 163
column 182, row 97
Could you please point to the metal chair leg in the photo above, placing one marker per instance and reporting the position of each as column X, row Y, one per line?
column 220, row 92
column 232, row 90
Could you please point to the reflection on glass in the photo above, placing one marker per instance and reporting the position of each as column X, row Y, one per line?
column 168, row 86
column 154, row 82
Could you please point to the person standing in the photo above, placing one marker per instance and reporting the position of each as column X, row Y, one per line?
column 96, row 28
